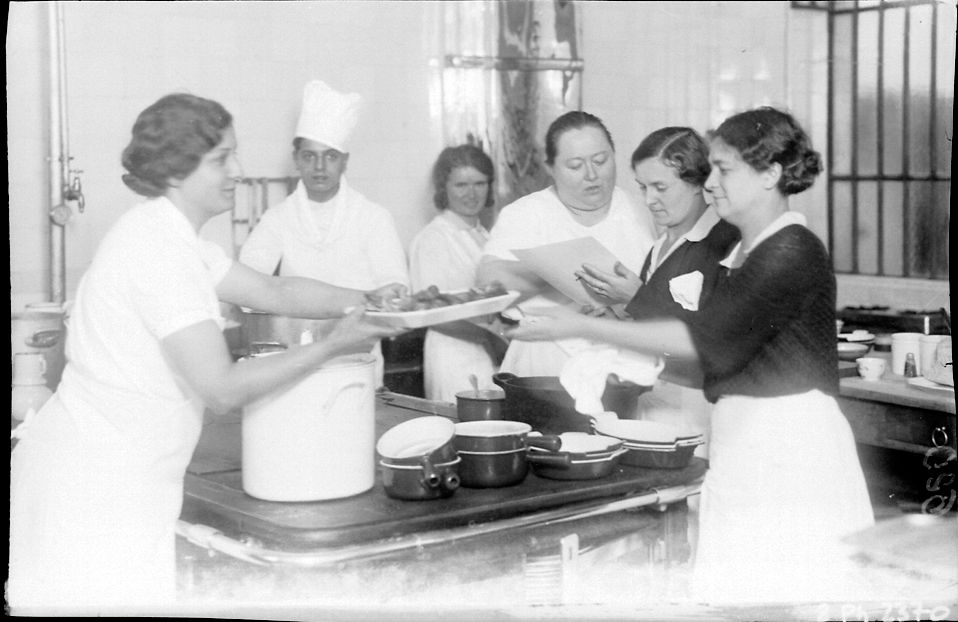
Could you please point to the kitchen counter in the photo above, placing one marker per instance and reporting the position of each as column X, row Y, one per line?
column 893, row 414
column 895, row 389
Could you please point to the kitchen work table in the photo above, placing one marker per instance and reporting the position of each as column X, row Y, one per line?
column 896, row 414
column 527, row 543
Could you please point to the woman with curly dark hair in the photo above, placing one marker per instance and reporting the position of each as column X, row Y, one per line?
column 97, row 474
column 784, row 483
column 446, row 253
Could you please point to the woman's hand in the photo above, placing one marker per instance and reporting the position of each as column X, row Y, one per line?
column 387, row 292
column 618, row 286
column 548, row 324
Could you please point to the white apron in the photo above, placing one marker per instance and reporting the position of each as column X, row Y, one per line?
column 783, row 487
column 76, row 542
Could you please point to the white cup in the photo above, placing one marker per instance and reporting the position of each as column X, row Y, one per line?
column 928, row 346
column 903, row 344
column 871, row 368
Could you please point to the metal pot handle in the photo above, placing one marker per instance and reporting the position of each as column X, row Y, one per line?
column 450, row 481
column 503, row 378
column 328, row 406
column 548, row 442
column 561, row 461
column 430, row 476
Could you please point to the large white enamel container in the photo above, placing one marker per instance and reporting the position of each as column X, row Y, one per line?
column 315, row 439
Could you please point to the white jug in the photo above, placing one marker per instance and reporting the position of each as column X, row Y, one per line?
column 314, row 440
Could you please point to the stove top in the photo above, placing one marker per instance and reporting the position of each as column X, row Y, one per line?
column 882, row 318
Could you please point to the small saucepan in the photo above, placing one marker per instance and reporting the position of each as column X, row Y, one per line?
column 418, row 459
column 480, row 405
column 494, row 453
column 582, row 456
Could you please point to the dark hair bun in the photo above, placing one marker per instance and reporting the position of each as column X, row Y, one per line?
column 142, row 186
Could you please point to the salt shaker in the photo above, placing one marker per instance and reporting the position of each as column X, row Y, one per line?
column 911, row 369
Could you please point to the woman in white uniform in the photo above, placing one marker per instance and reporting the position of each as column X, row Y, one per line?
column 97, row 474
column 784, row 484
column 582, row 202
column 446, row 254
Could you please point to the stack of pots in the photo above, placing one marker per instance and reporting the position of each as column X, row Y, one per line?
column 418, row 460
column 496, row 453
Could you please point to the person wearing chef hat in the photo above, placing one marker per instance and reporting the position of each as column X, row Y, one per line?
column 326, row 229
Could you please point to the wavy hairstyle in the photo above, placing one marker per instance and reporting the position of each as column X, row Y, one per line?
column 767, row 136
column 452, row 158
column 573, row 120
column 681, row 148
column 169, row 139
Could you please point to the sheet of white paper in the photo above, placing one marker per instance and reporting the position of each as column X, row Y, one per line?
column 557, row 264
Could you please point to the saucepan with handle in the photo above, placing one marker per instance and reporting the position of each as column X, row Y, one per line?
column 494, row 453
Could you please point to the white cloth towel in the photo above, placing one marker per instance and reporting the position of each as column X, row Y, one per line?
column 585, row 374
column 686, row 289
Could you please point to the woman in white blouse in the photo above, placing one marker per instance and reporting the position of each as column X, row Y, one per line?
column 446, row 254
column 96, row 480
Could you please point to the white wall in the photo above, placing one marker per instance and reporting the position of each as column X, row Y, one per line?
column 647, row 64
column 254, row 57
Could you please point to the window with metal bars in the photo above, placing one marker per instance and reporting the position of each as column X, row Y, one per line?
column 890, row 130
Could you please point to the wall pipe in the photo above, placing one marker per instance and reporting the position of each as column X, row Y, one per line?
column 59, row 158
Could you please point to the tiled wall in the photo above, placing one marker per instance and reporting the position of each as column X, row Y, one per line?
column 648, row 64
column 254, row 57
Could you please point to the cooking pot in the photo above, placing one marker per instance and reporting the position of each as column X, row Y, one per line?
column 313, row 439
column 258, row 327
column 650, row 444
column 494, row 453
column 418, row 460
column 543, row 403
column 480, row 405
column 581, row 456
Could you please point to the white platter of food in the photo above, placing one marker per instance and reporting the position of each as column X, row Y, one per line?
column 430, row 307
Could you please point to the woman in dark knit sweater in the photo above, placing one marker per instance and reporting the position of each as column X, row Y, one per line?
column 784, row 482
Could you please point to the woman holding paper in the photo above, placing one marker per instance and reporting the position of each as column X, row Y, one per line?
column 780, row 446
column 582, row 202
column 671, row 166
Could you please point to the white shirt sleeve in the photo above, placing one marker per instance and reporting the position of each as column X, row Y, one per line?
column 174, row 289
column 515, row 227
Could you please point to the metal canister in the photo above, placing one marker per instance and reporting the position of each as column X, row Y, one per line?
column 41, row 328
